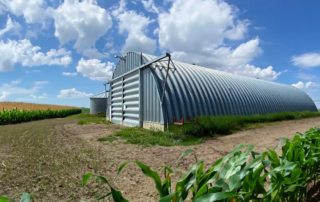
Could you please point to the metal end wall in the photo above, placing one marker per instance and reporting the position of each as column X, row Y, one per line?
column 198, row 91
column 129, row 62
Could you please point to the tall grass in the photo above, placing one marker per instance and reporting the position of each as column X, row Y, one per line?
column 223, row 125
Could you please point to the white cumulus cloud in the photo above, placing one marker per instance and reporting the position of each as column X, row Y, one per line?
column 94, row 53
column 95, row 69
column 302, row 85
column 24, row 52
column 150, row 6
column 69, row 73
column 43, row 96
column 73, row 93
column 11, row 26
column 83, row 21
column 4, row 95
column 135, row 25
column 33, row 11
column 196, row 25
column 16, row 90
column 195, row 31
column 306, row 60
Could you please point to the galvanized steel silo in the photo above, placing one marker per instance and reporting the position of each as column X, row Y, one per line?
column 98, row 103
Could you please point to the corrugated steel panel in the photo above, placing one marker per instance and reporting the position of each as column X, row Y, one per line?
column 98, row 105
column 125, row 100
column 116, row 101
column 151, row 106
column 195, row 91
column 131, row 86
column 130, row 61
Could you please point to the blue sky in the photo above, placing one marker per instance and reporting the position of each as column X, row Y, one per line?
column 61, row 52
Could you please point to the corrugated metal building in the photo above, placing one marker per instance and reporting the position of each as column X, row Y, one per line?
column 149, row 91
column 98, row 103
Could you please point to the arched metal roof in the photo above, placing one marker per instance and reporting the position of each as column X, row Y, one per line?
column 194, row 90
column 101, row 95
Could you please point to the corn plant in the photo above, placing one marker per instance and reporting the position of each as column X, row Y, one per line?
column 18, row 116
column 266, row 177
column 24, row 198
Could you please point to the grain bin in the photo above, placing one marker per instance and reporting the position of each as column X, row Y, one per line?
column 98, row 103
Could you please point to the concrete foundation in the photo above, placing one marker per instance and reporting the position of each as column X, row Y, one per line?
column 153, row 126
column 107, row 118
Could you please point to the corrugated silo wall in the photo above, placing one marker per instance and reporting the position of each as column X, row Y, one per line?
column 98, row 105
column 151, row 105
column 108, row 104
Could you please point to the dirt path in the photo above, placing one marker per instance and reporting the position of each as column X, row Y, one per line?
column 137, row 187
column 50, row 157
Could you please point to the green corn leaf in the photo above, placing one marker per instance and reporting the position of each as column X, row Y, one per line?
column 234, row 183
column 215, row 197
column 249, row 167
column 4, row 199
column 266, row 163
column 26, row 197
column 86, row 178
column 102, row 197
column 148, row 172
column 102, row 179
column 188, row 151
column 167, row 168
column 202, row 191
column 167, row 198
column 284, row 166
column 117, row 196
column 187, row 181
column 274, row 157
column 254, row 154
column 222, row 184
column 294, row 187
column 218, row 164
column 281, row 141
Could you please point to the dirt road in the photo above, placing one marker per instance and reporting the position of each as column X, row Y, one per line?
column 70, row 151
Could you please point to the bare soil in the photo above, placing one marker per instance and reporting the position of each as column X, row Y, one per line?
column 52, row 165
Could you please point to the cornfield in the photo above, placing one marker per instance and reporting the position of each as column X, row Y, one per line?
column 18, row 116
column 31, row 106
column 267, row 177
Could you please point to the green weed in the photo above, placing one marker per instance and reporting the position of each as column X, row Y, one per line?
column 224, row 125
column 137, row 135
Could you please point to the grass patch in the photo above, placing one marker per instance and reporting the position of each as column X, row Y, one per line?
column 224, row 125
column 85, row 110
column 137, row 135
column 208, row 127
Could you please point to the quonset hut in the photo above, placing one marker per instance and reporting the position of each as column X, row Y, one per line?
column 149, row 91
